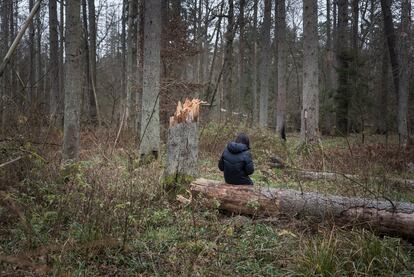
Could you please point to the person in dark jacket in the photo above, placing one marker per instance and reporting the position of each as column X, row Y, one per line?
column 236, row 161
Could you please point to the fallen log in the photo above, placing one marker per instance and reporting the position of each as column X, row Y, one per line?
column 333, row 176
column 395, row 218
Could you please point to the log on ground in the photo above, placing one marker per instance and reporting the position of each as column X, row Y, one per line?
column 333, row 176
column 394, row 218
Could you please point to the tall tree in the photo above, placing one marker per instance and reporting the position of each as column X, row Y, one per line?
column 342, row 96
column 229, row 59
column 32, row 62
column 281, row 69
column 4, row 45
column 264, row 64
column 382, row 116
column 242, row 57
column 54, row 59
column 131, row 59
column 406, row 59
column 87, row 88
column 73, row 87
column 255, row 110
column 399, row 62
column 310, row 106
column 93, row 99
column 39, row 64
column 150, row 124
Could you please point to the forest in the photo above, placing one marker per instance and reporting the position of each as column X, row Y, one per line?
column 206, row 138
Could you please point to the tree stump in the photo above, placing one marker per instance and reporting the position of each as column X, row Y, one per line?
column 182, row 143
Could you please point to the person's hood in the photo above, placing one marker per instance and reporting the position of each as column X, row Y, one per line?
column 236, row 148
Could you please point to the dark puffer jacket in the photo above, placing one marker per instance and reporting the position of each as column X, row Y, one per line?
column 237, row 164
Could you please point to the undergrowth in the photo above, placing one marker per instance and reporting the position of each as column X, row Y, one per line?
column 108, row 215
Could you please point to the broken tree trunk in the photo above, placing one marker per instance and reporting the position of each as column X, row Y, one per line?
column 383, row 216
column 182, row 143
column 333, row 176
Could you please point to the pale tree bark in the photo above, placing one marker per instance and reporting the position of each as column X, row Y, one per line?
column 264, row 65
column 255, row 110
column 229, row 60
column 150, row 124
column 131, row 60
column 73, row 90
column 124, row 63
column 54, row 59
column 93, row 98
column 61, row 63
column 140, row 61
column 310, row 106
column 281, row 69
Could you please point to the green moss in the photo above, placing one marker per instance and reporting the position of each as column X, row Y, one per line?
column 176, row 184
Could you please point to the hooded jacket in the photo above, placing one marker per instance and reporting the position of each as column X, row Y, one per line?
column 236, row 163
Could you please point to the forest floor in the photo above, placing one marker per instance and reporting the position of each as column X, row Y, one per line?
column 106, row 215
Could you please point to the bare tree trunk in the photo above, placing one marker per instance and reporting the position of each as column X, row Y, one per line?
column 242, row 66
column 399, row 62
column 32, row 63
column 264, row 65
column 342, row 95
column 281, row 69
column 39, row 67
column 382, row 116
column 131, row 61
column 54, row 59
column 93, row 99
column 60, row 116
column 73, row 88
column 255, row 110
column 405, row 59
column 140, row 61
column 124, row 63
column 4, row 77
column 386, row 217
column 150, row 125
column 310, row 107
column 86, row 80
column 229, row 60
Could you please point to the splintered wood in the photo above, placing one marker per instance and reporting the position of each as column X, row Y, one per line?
column 187, row 112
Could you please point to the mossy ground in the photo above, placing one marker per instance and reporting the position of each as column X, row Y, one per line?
column 108, row 215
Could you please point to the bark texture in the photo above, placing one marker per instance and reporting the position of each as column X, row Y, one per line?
column 281, row 69
column 255, row 109
column 310, row 106
column 150, row 126
column 264, row 65
column 73, row 89
column 54, row 59
column 182, row 150
column 395, row 219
